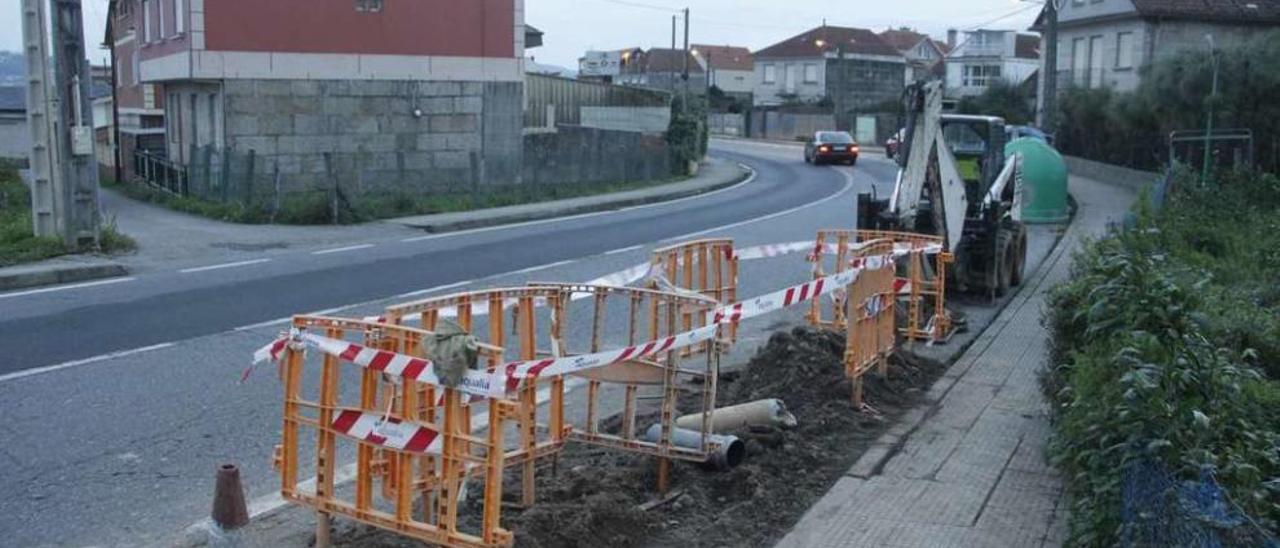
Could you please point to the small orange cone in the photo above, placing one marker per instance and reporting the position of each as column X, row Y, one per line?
column 229, row 511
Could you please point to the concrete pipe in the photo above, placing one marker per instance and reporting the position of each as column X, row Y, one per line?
column 757, row 413
column 726, row 451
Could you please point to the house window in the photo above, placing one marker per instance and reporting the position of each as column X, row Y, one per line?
column 810, row 73
column 1079, row 61
column 1095, row 61
column 179, row 16
column 980, row 75
column 135, row 71
column 770, row 74
column 371, row 6
column 1124, row 50
column 160, row 9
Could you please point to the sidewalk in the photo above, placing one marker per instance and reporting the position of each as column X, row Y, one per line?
column 970, row 469
column 712, row 175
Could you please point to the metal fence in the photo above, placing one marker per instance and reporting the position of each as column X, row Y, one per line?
column 565, row 97
column 212, row 174
column 1159, row 509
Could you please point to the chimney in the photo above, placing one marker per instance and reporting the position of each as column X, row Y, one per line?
column 951, row 38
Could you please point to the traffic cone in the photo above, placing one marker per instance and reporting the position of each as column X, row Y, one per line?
column 229, row 511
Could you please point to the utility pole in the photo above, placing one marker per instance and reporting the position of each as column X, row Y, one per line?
column 685, row 76
column 673, row 49
column 73, row 122
column 44, row 197
column 1048, row 103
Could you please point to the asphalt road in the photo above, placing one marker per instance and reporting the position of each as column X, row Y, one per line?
column 50, row 328
column 120, row 450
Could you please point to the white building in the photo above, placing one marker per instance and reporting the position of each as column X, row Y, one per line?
column 730, row 68
column 985, row 57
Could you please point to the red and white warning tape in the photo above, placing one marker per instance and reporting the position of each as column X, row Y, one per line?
column 783, row 298
column 505, row 379
column 387, row 431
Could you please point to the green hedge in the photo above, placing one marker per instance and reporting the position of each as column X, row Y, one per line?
column 1166, row 345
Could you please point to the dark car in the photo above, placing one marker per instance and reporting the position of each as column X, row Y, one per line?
column 831, row 146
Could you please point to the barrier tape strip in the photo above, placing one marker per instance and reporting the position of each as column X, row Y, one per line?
column 507, row 378
column 783, row 298
column 387, row 432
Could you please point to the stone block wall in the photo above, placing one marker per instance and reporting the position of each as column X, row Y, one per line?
column 375, row 136
column 582, row 155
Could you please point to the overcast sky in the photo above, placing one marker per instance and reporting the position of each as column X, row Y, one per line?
column 573, row 26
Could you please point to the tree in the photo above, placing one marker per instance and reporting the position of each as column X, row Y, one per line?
column 1006, row 100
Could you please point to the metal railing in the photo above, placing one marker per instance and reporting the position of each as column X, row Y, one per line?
column 160, row 172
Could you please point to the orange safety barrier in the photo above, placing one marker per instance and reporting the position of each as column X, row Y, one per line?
column 522, row 302
column 870, row 302
column 708, row 267
column 401, row 436
column 916, row 283
column 651, row 315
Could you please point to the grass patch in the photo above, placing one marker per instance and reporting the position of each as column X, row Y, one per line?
column 1166, row 351
column 18, row 243
column 307, row 208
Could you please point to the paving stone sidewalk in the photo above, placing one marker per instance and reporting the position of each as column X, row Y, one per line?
column 969, row 468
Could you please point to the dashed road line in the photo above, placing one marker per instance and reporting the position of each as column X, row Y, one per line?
column 85, row 361
column 624, row 250
column 342, row 249
column 65, row 287
column 223, row 265
column 540, row 267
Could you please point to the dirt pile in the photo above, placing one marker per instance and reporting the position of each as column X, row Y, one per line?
column 591, row 496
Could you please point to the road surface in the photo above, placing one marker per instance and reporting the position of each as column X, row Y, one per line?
column 120, row 398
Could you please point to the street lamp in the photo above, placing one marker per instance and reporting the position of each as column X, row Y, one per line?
column 1213, row 94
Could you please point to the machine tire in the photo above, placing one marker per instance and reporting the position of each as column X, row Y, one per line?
column 1004, row 259
column 1019, row 257
column 853, row 162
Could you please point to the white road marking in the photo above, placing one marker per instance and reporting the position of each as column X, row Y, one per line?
column 75, row 363
column 540, row 267
column 223, row 265
column 65, row 287
column 267, row 323
column 848, row 184
column 751, row 176
column 342, row 249
column 432, row 289
column 624, row 250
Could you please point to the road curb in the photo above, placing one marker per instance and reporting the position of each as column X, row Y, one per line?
column 551, row 211
column 25, row 276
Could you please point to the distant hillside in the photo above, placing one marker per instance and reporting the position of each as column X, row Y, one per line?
column 11, row 68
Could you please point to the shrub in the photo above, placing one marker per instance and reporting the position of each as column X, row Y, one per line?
column 1164, row 352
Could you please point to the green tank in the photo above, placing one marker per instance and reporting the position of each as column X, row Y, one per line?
column 1044, row 180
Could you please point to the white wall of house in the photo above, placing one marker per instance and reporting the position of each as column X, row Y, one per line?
column 193, row 117
column 15, row 138
column 777, row 79
column 1103, row 54
column 733, row 81
column 972, row 76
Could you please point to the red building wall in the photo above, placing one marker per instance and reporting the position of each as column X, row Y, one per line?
column 463, row 28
